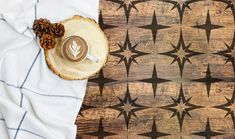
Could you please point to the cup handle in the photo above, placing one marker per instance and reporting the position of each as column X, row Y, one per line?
column 92, row 58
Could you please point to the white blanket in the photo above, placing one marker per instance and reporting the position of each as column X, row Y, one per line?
column 34, row 102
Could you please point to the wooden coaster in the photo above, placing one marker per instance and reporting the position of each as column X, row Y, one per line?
column 70, row 69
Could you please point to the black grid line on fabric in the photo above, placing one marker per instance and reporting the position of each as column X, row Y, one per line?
column 21, row 121
column 21, row 99
column 27, row 131
column 46, row 95
column 8, row 84
column 24, row 130
column 35, row 59
column 25, row 30
column 28, row 28
column 35, row 9
column 3, row 19
column 35, row 13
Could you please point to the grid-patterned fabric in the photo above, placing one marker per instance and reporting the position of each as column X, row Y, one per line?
column 34, row 102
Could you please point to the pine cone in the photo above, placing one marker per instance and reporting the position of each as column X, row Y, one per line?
column 57, row 30
column 41, row 27
column 47, row 41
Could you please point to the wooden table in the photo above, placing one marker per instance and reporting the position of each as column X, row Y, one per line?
column 170, row 73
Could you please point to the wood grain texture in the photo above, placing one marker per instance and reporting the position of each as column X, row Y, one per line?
column 207, row 95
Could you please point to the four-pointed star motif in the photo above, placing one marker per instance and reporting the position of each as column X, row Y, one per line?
column 127, row 5
column 101, row 81
column 154, row 134
column 154, row 80
column 181, row 53
column 127, row 107
column 208, row 80
column 229, row 107
column 208, row 26
column 154, row 27
column 127, row 53
column 101, row 134
column 208, row 133
column 181, row 107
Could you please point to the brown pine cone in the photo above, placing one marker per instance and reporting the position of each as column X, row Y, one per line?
column 57, row 30
column 47, row 41
column 41, row 27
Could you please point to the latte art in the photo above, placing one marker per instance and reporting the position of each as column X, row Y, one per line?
column 74, row 49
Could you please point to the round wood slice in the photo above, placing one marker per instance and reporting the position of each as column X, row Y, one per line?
column 97, row 42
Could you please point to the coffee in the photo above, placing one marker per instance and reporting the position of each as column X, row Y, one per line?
column 74, row 48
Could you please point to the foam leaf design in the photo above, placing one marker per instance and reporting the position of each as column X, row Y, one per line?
column 74, row 49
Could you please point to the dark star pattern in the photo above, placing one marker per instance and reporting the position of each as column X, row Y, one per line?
column 128, row 107
column 229, row 53
column 83, row 108
column 154, row 27
column 154, row 80
column 101, row 133
column 208, row 133
column 229, row 5
column 104, row 26
column 127, row 5
column 208, row 80
column 229, row 107
column 208, row 26
column 181, row 107
column 127, row 53
column 154, row 134
column 181, row 53
column 181, row 5
column 101, row 81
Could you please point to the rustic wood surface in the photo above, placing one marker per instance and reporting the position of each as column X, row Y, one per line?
column 147, row 102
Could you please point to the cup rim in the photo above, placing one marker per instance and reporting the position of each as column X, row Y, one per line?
column 66, row 39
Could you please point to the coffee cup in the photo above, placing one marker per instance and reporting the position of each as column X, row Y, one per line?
column 75, row 49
